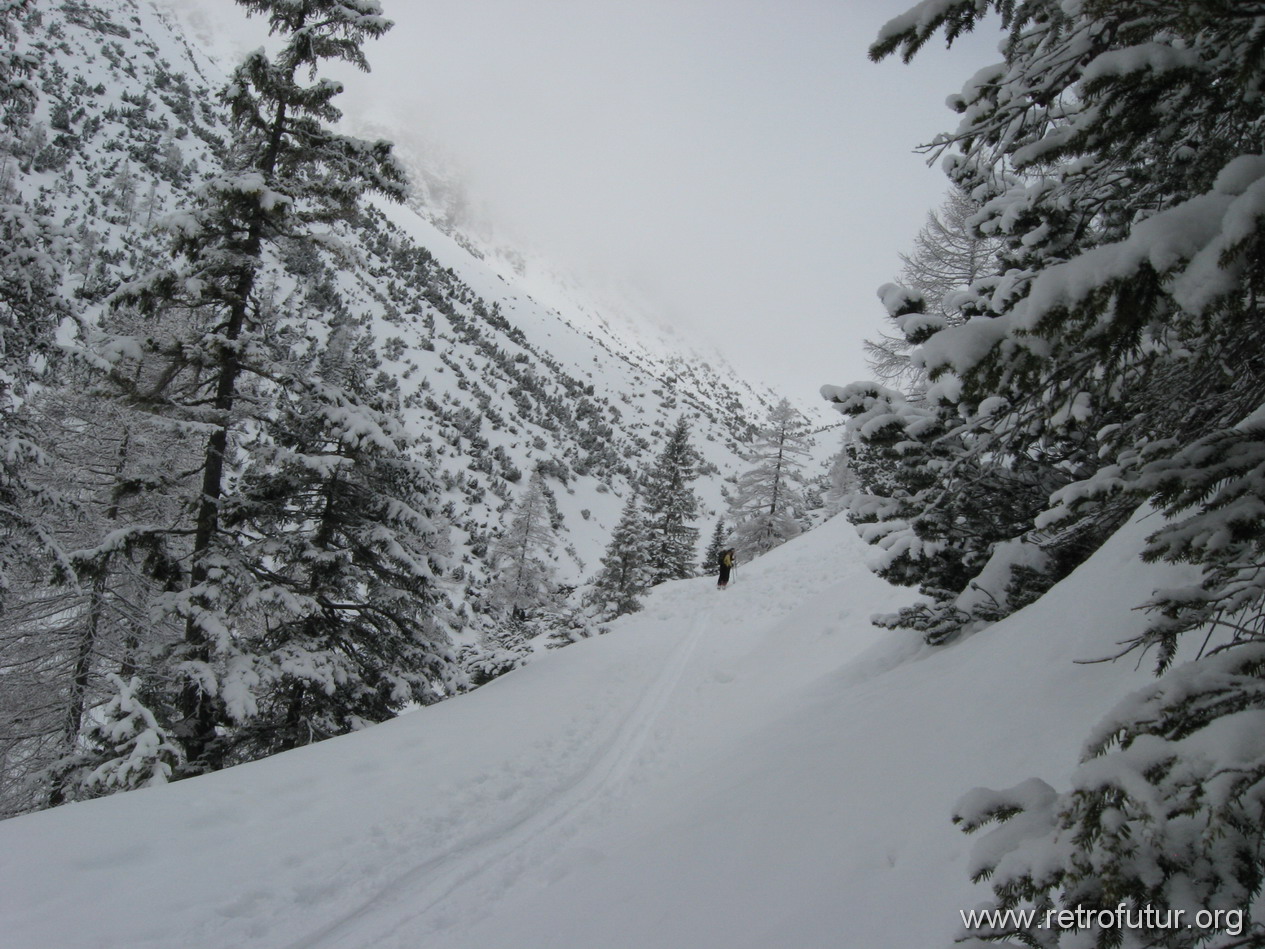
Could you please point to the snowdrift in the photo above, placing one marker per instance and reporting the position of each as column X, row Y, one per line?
column 749, row 768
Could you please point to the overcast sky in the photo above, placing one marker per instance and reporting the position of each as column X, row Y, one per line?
column 739, row 163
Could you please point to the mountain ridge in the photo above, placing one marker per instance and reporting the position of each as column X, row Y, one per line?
column 125, row 96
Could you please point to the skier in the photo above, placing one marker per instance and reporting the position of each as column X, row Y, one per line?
column 726, row 563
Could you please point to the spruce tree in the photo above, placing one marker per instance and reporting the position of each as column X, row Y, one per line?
column 715, row 547
column 134, row 748
column 347, row 547
column 939, row 508
column 286, row 171
column 670, row 505
column 625, row 572
column 768, row 499
column 1117, row 151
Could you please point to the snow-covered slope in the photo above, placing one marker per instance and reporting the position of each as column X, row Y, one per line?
column 749, row 768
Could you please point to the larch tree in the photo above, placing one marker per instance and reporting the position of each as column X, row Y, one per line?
column 522, row 579
column 768, row 499
column 949, row 253
column 96, row 620
column 37, row 700
column 842, row 479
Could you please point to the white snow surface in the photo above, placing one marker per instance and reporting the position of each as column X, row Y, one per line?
column 752, row 767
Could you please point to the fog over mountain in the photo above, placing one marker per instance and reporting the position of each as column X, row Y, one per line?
column 743, row 168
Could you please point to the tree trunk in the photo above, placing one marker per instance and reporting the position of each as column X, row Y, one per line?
column 201, row 713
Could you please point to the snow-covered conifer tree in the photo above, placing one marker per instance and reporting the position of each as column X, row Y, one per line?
column 937, row 506
column 346, row 548
column 768, row 499
column 670, row 505
column 842, row 478
column 135, row 749
column 286, row 173
column 625, row 572
column 715, row 547
column 1119, row 152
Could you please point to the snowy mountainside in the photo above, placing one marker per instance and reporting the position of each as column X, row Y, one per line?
column 750, row 768
column 497, row 382
column 624, row 324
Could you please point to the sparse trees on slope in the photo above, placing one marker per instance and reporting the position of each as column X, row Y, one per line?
column 16, row 88
column 670, row 506
column 768, row 501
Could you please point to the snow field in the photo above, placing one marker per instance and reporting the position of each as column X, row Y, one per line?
column 822, row 818
column 751, row 767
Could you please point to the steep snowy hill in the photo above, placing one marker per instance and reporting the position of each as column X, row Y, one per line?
column 749, row 768
column 501, row 368
column 153, row 382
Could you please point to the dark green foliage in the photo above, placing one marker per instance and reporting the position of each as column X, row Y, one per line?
column 348, row 551
column 286, row 171
column 625, row 573
column 711, row 559
column 670, row 505
column 937, row 504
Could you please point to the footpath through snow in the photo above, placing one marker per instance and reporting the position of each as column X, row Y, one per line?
column 756, row 767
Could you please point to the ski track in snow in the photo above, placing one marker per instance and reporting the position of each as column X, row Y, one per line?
column 738, row 770
column 424, row 890
column 421, row 831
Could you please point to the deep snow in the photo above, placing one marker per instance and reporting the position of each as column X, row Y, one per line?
column 749, row 768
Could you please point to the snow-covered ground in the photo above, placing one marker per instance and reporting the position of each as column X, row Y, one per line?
column 755, row 767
